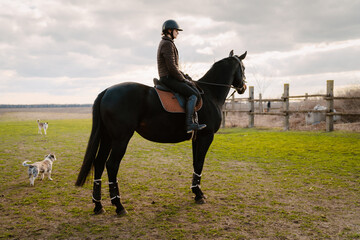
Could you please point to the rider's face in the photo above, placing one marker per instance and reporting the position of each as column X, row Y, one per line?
column 175, row 33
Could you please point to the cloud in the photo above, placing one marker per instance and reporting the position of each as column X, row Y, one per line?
column 73, row 47
column 206, row 51
column 312, row 58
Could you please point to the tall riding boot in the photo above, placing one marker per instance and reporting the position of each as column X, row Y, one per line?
column 190, row 109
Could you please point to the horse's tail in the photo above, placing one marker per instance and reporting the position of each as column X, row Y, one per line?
column 93, row 143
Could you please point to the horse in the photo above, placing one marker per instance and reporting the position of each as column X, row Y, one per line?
column 122, row 109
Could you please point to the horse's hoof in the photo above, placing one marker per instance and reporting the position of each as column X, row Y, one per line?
column 122, row 212
column 98, row 212
column 200, row 201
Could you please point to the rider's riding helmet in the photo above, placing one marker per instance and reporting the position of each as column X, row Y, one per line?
column 170, row 24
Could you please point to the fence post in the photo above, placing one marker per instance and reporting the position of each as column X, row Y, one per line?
column 260, row 103
column 223, row 118
column 252, row 108
column 330, row 105
column 233, row 102
column 286, row 106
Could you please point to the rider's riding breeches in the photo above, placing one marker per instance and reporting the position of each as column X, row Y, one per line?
column 180, row 87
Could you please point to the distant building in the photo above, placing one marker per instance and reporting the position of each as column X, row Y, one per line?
column 317, row 117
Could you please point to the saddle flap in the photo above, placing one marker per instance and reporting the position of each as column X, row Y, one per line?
column 171, row 103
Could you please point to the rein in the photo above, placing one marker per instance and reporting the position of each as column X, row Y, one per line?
column 231, row 95
column 225, row 85
column 216, row 84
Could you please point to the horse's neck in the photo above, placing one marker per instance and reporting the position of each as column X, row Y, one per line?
column 215, row 92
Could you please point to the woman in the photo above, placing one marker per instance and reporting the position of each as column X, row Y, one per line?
column 172, row 77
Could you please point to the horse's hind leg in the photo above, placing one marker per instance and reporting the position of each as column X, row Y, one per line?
column 112, row 167
column 99, row 165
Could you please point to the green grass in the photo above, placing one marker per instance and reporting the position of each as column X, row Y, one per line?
column 259, row 183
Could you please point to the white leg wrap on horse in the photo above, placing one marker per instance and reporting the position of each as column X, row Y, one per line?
column 96, row 190
column 196, row 180
column 95, row 199
column 97, row 181
column 115, row 197
column 114, row 190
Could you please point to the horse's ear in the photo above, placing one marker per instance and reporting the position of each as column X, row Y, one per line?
column 231, row 53
column 243, row 56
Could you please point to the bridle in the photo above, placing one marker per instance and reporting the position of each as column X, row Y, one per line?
column 238, row 89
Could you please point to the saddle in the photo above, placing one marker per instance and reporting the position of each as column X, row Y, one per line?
column 171, row 101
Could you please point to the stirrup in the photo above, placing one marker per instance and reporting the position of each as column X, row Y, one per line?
column 195, row 127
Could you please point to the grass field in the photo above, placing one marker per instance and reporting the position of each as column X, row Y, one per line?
column 260, row 184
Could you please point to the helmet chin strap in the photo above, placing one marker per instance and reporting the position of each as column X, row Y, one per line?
column 172, row 34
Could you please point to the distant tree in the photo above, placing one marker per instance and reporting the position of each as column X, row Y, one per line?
column 349, row 105
column 262, row 82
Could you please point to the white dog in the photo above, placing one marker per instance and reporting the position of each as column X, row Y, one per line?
column 43, row 167
column 42, row 126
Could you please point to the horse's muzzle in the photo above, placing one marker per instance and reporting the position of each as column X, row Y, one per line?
column 242, row 89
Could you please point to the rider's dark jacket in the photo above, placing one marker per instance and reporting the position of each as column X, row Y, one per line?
column 168, row 60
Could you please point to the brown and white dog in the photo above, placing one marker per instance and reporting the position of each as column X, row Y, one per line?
column 43, row 167
column 42, row 126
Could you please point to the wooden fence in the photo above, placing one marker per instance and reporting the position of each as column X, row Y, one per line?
column 285, row 106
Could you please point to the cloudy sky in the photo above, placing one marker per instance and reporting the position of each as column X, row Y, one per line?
column 68, row 51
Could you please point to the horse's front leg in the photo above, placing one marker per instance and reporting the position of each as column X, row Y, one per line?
column 200, row 146
column 195, row 187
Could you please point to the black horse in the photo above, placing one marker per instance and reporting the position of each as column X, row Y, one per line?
column 122, row 109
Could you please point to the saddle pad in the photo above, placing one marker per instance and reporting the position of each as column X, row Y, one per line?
column 171, row 104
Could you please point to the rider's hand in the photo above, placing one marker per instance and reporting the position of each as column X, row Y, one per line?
column 188, row 77
column 189, row 82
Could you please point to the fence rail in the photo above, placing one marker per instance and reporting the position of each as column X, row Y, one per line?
column 285, row 111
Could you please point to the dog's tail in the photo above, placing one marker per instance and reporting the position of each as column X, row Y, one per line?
column 27, row 165
column 93, row 143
